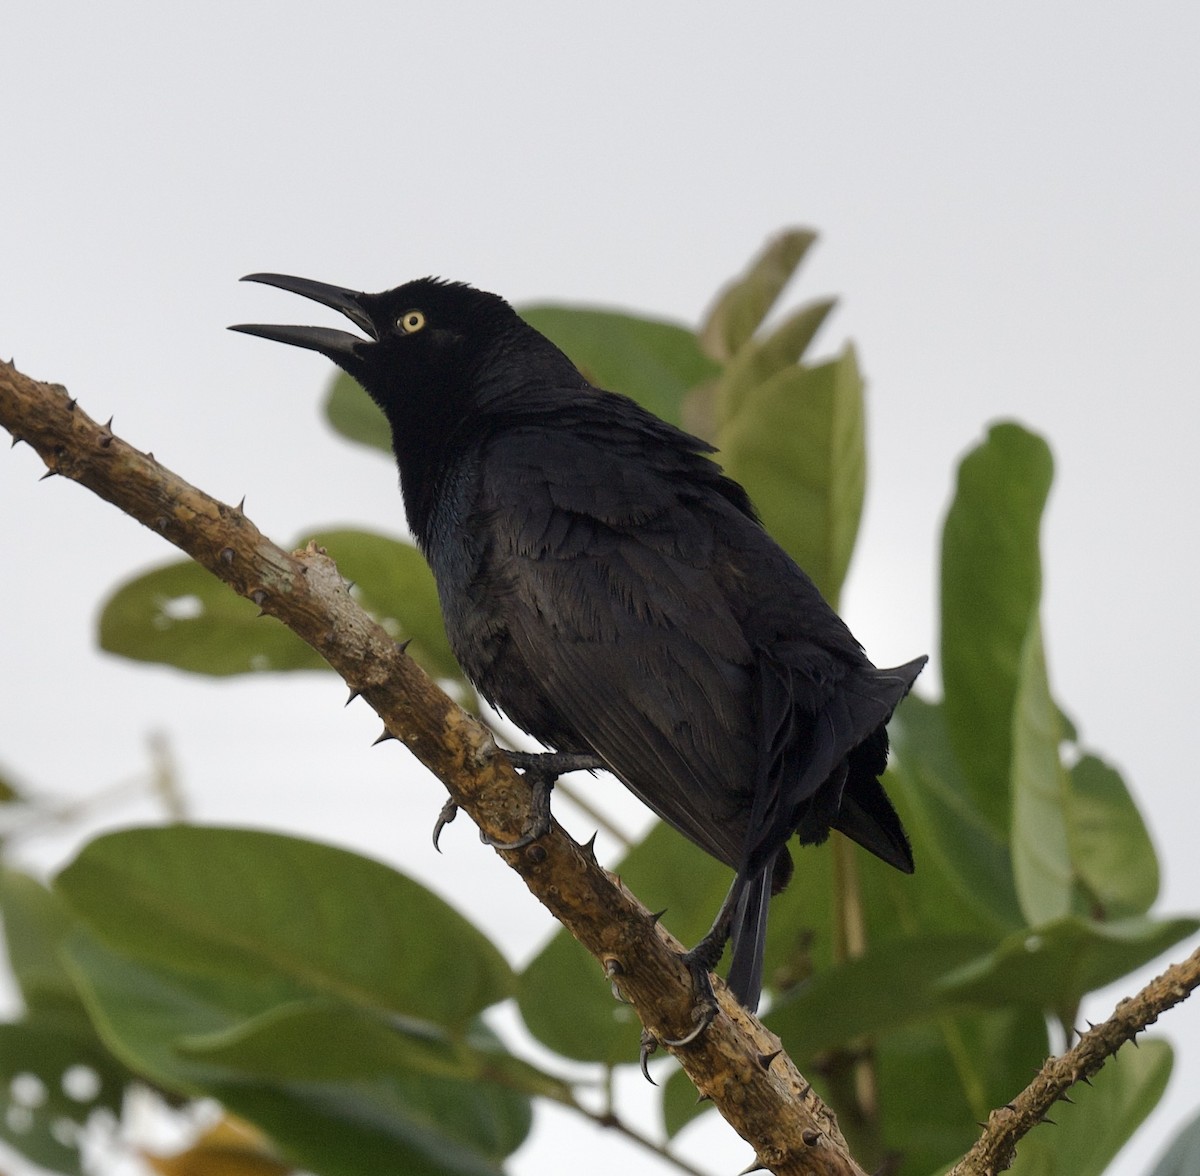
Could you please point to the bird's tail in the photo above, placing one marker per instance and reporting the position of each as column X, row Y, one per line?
column 748, row 935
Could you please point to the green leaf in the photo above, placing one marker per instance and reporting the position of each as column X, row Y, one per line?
column 52, row 1077
column 952, row 840
column 279, row 919
column 35, row 924
column 654, row 362
column 1090, row 1131
column 762, row 358
column 892, row 985
column 181, row 615
column 1041, row 857
column 938, row 1081
column 304, row 987
column 1054, row 966
column 991, row 585
column 1182, row 1158
column 797, row 444
column 353, row 414
column 149, row 1012
column 744, row 303
column 1112, row 851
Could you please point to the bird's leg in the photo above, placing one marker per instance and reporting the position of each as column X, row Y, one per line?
column 700, row 961
column 541, row 769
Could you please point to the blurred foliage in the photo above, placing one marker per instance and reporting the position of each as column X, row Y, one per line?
column 297, row 983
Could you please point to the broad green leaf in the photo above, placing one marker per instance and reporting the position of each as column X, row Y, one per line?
column 1182, row 1158
column 1052, row 967
column 52, row 1077
column 938, row 1081
column 951, row 838
column 354, row 415
column 797, row 444
column 181, row 615
column 743, row 304
column 379, row 1122
column 1040, row 789
column 1112, row 852
column 652, row 361
column 35, row 923
column 568, row 1005
column 279, row 919
column 892, row 985
column 322, row 1040
column 991, row 585
column 479, row 1094
column 1089, row 1131
column 766, row 356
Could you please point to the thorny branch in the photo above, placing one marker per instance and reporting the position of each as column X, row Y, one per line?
column 736, row 1062
column 995, row 1150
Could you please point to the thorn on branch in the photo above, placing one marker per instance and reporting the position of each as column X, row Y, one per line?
column 227, row 555
column 766, row 1059
column 353, row 695
column 810, row 1137
column 383, row 738
column 589, row 848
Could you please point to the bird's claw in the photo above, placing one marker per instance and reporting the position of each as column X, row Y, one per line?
column 649, row 1044
column 448, row 813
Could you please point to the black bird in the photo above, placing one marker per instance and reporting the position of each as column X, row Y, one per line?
column 610, row 590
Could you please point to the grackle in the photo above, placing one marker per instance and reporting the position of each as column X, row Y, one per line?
column 607, row 587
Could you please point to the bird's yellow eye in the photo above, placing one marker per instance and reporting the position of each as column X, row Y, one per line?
column 411, row 321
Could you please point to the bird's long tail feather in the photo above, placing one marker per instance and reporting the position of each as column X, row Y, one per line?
column 748, row 937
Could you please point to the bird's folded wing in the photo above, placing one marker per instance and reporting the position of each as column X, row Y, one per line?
column 616, row 608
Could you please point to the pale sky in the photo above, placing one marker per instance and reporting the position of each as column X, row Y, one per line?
column 1008, row 200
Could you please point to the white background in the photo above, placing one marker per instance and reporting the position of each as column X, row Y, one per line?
column 1008, row 199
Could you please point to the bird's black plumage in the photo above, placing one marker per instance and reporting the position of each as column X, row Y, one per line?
column 608, row 588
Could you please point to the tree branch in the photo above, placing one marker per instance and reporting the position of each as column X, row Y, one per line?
column 995, row 1150
column 735, row 1060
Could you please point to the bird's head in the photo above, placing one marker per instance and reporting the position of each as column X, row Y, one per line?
column 429, row 346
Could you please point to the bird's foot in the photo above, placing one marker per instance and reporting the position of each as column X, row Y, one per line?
column 700, row 962
column 541, row 769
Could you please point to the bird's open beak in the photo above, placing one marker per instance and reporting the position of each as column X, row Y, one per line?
column 329, row 342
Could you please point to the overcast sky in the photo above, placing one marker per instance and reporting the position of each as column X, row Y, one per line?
column 1008, row 199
